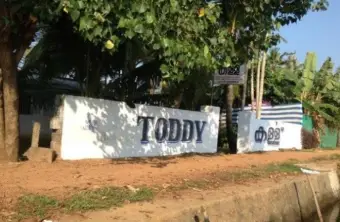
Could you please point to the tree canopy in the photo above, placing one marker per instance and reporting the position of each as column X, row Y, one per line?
column 186, row 39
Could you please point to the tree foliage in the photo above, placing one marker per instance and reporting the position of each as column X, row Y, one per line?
column 317, row 89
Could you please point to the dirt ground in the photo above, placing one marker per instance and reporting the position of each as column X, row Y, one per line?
column 170, row 205
column 64, row 177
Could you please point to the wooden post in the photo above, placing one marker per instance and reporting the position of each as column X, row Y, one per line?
column 252, row 97
column 263, row 72
column 315, row 199
column 258, row 74
column 244, row 87
column 35, row 134
column 307, row 171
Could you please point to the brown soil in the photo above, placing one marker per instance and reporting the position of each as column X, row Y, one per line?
column 166, row 206
column 63, row 177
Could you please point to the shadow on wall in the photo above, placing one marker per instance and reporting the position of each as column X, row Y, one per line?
column 121, row 131
column 243, row 131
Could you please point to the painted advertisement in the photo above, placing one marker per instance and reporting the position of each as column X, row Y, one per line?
column 256, row 135
column 95, row 128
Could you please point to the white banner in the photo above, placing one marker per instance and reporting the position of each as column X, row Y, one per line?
column 95, row 128
column 266, row 135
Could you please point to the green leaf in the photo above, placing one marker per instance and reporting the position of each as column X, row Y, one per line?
column 213, row 41
column 142, row 8
column 206, row 51
column 97, row 31
column 83, row 23
column 164, row 68
column 122, row 23
column 75, row 14
column 139, row 28
column 80, row 4
column 156, row 46
column 166, row 76
column 173, row 3
column 130, row 34
column 166, row 42
column 150, row 18
column 212, row 18
column 180, row 77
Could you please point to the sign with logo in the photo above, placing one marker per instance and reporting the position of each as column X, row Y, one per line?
column 255, row 135
column 272, row 136
column 230, row 76
column 266, row 135
column 96, row 128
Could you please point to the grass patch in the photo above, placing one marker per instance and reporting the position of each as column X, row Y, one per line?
column 191, row 184
column 237, row 176
column 286, row 167
column 38, row 206
column 323, row 158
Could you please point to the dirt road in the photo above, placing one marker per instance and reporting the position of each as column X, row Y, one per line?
column 63, row 177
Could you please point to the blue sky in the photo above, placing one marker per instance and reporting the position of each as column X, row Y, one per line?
column 317, row 32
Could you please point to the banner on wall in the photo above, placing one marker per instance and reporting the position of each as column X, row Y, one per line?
column 266, row 135
column 96, row 128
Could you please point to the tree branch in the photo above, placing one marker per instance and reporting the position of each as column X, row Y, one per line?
column 27, row 31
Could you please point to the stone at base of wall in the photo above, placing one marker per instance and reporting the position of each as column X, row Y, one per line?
column 56, row 146
column 286, row 202
column 40, row 154
column 56, row 136
column 55, row 123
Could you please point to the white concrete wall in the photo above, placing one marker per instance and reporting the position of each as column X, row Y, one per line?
column 266, row 135
column 26, row 125
column 95, row 128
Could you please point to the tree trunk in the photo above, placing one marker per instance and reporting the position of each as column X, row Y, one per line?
column 263, row 72
column 252, row 98
column 10, row 55
column 3, row 41
column 244, row 88
column 178, row 100
column 317, row 136
column 258, row 73
column 229, row 110
column 3, row 152
column 94, row 86
column 10, row 98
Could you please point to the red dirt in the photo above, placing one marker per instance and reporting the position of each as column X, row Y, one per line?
column 63, row 177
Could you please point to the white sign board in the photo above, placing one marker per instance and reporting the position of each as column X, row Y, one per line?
column 266, row 135
column 230, row 76
column 95, row 128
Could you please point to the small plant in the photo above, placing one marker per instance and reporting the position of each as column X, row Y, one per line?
column 308, row 140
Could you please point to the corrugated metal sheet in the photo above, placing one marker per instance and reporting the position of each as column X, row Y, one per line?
column 292, row 113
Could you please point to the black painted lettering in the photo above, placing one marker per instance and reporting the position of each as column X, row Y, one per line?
column 145, row 130
column 188, row 131
column 199, row 130
column 161, row 134
column 175, row 131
